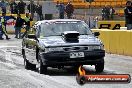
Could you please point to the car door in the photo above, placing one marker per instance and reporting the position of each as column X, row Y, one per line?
column 30, row 50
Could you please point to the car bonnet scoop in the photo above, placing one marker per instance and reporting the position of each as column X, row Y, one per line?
column 71, row 36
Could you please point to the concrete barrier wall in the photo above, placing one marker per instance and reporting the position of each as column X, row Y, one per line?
column 116, row 41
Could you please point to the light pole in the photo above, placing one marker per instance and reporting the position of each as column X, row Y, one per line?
column 90, row 11
column 31, row 6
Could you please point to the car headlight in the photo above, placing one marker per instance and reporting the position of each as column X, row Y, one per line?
column 53, row 49
column 41, row 46
column 102, row 47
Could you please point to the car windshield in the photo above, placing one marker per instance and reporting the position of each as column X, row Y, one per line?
column 57, row 28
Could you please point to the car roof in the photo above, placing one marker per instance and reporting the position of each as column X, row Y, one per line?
column 58, row 20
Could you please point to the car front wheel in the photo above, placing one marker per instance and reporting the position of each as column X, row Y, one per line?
column 99, row 67
column 42, row 69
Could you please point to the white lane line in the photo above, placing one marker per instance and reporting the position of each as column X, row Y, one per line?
column 8, row 46
column 8, row 64
column 8, row 56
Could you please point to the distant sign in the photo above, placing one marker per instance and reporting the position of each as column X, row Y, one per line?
column 113, row 25
column 10, row 25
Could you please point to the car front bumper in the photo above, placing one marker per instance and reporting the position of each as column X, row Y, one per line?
column 63, row 58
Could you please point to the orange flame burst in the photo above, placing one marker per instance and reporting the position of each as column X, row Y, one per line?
column 81, row 71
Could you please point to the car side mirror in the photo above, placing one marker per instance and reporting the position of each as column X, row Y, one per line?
column 96, row 33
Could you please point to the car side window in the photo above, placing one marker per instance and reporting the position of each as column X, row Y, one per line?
column 38, row 30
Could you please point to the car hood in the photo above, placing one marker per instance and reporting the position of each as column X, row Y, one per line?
column 59, row 41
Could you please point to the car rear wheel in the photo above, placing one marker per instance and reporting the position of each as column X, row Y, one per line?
column 27, row 64
column 99, row 67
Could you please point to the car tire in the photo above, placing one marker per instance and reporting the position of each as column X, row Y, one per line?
column 27, row 64
column 23, row 52
column 42, row 69
column 99, row 67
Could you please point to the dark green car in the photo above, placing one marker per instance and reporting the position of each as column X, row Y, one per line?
column 62, row 42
